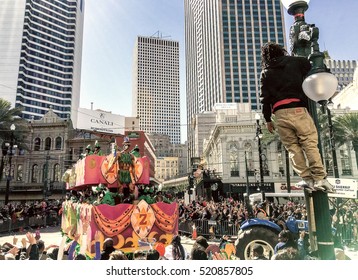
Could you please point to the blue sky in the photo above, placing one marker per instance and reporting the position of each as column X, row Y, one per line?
column 111, row 28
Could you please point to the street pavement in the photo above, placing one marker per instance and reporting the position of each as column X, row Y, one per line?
column 53, row 236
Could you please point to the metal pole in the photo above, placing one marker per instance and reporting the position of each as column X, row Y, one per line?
column 333, row 145
column 247, row 198
column 258, row 134
column 8, row 178
column 335, row 168
column 320, row 202
column 46, row 176
column 247, row 177
column 310, row 48
column 288, row 179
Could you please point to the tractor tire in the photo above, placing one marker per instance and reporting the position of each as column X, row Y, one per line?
column 263, row 236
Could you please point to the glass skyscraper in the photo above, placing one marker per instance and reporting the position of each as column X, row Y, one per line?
column 223, row 40
column 41, row 50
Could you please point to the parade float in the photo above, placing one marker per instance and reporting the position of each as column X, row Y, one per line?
column 113, row 205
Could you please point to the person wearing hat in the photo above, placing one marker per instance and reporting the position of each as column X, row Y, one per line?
column 88, row 150
column 97, row 149
column 126, row 171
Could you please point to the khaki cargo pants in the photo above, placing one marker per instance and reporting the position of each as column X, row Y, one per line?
column 298, row 134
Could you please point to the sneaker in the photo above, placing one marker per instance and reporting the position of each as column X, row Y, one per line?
column 325, row 186
column 308, row 184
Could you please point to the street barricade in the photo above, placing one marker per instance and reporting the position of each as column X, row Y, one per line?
column 208, row 228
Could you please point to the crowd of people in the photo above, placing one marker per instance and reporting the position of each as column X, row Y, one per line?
column 234, row 211
column 37, row 209
column 33, row 248
column 344, row 218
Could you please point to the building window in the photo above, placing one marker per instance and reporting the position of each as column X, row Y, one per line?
column 37, row 143
column 345, row 160
column 19, row 173
column 35, row 173
column 58, row 143
column 56, row 173
column 48, row 144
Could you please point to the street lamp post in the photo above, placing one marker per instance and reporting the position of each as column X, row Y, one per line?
column 247, row 177
column 8, row 178
column 247, row 198
column 258, row 138
column 319, row 86
column 46, row 177
column 331, row 139
column 334, row 158
column 195, row 161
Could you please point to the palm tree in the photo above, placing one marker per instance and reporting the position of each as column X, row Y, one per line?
column 9, row 116
column 346, row 131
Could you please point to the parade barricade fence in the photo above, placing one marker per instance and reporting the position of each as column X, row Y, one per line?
column 208, row 228
column 9, row 226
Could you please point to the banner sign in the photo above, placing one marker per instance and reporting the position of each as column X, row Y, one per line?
column 345, row 188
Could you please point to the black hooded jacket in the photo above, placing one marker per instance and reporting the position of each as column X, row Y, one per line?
column 282, row 79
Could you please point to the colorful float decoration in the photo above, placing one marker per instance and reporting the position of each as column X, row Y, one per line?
column 128, row 224
column 94, row 170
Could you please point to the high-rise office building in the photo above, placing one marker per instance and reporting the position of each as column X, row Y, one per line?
column 223, row 40
column 343, row 70
column 156, row 96
column 40, row 54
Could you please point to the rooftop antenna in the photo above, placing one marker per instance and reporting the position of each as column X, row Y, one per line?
column 159, row 34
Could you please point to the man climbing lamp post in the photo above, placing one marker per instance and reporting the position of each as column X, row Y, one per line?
column 319, row 86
